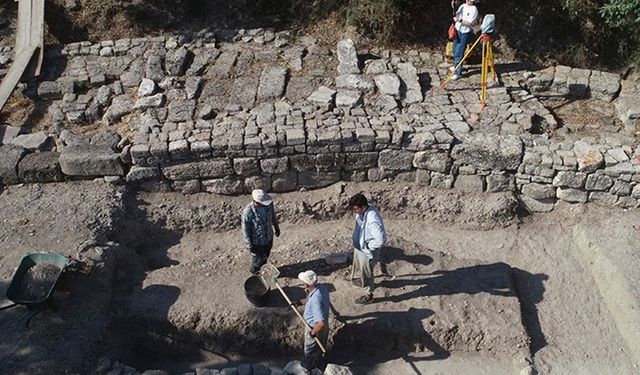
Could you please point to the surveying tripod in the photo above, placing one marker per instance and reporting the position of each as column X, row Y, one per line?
column 487, row 58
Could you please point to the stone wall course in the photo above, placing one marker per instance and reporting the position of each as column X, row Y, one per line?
column 223, row 186
column 283, row 119
column 572, row 195
column 570, row 179
column 40, row 167
column 90, row 161
column 489, row 151
column 200, row 169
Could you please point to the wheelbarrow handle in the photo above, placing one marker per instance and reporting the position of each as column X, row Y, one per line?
column 8, row 306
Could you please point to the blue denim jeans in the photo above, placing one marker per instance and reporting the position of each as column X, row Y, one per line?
column 459, row 48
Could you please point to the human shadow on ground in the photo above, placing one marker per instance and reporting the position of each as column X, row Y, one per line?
column 530, row 290
column 488, row 278
column 319, row 266
column 385, row 335
column 149, row 239
column 392, row 255
column 497, row 279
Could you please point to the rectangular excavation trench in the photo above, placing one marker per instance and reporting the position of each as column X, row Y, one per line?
column 440, row 307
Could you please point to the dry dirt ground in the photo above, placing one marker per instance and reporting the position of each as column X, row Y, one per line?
column 157, row 282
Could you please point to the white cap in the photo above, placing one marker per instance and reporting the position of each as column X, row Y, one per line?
column 261, row 197
column 308, row 277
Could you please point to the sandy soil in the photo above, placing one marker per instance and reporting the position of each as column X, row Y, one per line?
column 472, row 288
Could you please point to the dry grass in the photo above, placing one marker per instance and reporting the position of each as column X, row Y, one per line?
column 17, row 109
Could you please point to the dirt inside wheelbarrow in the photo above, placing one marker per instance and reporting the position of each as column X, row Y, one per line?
column 35, row 285
column 471, row 287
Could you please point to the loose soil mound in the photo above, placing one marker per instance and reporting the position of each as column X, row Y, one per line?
column 37, row 282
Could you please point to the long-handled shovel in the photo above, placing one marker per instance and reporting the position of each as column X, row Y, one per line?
column 270, row 274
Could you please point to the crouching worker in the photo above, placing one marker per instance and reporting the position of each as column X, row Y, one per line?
column 316, row 313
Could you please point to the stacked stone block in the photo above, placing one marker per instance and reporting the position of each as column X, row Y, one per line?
column 264, row 113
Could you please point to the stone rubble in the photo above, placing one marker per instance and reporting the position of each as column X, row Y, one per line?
column 261, row 109
column 108, row 366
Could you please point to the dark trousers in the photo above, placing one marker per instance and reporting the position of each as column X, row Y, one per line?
column 259, row 256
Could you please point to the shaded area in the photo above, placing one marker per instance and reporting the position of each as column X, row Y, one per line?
column 485, row 278
column 530, row 289
column 385, row 335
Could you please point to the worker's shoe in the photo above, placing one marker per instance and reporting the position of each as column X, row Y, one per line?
column 455, row 77
column 364, row 300
column 452, row 69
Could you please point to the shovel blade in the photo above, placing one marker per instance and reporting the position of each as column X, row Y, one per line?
column 269, row 273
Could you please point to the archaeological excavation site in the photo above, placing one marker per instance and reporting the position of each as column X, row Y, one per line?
column 509, row 198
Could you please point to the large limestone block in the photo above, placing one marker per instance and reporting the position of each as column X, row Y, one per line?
column 411, row 90
column 500, row 181
column 257, row 182
column 224, row 186
column 90, row 161
column 285, row 182
column 153, row 68
column 360, row 160
column 355, row 82
column 181, row 110
column 138, row 174
column 10, row 156
column 599, row 182
column 40, row 167
column 433, row 160
column 604, row 85
column 333, row 369
column 396, row 160
column 275, row 165
column 246, row 166
column 589, row 157
column 315, row 180
column 348, row 98
column 176, row 61
column 570, row 179
column 388, row 84
column 534, row 205
column 489, row 151
column 120, row 106
column 35, row 141
column 572, row 195
column 200, row 169
column 323, row 95
column 272, row 83
column 347, row 57
column 539, row 191
column 7, row 133
column 578, row 82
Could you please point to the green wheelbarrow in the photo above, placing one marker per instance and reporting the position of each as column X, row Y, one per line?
column 34, row 280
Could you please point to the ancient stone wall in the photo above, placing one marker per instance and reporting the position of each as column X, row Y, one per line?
column 240, row 110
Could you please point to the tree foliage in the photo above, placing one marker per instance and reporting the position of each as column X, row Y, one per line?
column 622, row 13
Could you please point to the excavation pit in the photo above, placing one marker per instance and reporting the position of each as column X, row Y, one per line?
column 164, row 275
